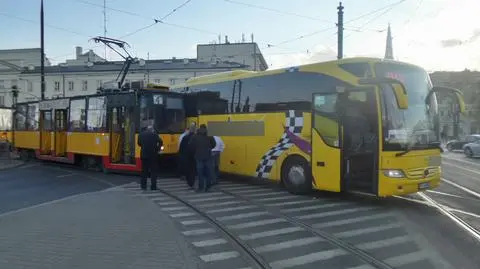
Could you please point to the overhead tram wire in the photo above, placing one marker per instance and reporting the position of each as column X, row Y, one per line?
column 387, row 7
column 46, row 24
column 371, row 20
column 375, row 11
column 155, row 20
column 276, row 10
column 137, row 15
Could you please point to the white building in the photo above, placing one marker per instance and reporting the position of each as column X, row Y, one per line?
column 83, row 75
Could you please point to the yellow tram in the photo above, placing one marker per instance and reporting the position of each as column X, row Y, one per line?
column 100, row 130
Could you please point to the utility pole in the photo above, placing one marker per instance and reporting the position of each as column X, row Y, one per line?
column 340, row 31
column 42, row 52
column 105, row 24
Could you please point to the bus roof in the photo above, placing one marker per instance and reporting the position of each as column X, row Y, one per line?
column 240, row 74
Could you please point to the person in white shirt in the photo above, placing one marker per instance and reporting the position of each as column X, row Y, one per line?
column 216, row 151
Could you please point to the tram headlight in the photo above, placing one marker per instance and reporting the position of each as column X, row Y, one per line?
column 394, row 173
column 161, row 148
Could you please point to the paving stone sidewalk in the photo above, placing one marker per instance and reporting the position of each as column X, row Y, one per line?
column 103, row 230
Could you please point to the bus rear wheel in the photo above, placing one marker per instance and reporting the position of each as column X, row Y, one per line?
column 296, row 175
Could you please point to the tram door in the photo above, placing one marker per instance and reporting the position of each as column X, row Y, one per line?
column 45, row 131
column 122, row 126
column 60, row 132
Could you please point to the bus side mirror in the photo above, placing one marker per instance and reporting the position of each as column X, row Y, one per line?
column 398, row 87
column 456, row 92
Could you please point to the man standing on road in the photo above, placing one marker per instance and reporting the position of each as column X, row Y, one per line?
column 151, row 145
column 216, row 151
column 202, row 145
column 187, row 163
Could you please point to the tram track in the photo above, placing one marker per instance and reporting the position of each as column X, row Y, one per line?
column 367, row 258
column 357, row 236
column 255, row 259
column 449, row 212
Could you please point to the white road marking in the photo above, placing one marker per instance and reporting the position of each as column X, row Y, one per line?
column 268, row 233
column 463, row 168
column 472, row 231
column 210, row 242
column 198, row 232
column 465, row 189
column 220, row 256
column 445, row 194
column 288, row 244
column 309, row 258
column 256, row 223
column 192, row 222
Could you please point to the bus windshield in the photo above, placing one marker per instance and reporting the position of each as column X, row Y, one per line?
column 412, row 128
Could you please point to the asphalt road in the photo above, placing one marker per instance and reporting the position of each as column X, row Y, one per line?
column 442, row 242
column 36, row 182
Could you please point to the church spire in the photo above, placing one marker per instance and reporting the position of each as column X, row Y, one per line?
column 389, row 48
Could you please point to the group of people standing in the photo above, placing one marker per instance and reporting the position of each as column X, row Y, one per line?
column 199, row 157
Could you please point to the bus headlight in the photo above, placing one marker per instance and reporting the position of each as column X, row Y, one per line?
column 394, row 173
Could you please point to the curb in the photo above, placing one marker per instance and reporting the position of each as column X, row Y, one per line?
column 11, row 166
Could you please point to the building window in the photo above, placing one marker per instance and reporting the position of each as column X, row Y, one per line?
column 30, row 86
column 2, row 100
column 2, row 84
column 57, row 86
column 172, row 81
column 157, row 81
column 99, row 84
column 71, row 86
column 85, row 85
column 14, row 83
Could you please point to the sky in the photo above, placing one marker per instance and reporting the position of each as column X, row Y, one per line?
column 435, row 34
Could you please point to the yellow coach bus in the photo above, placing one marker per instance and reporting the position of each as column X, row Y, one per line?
column 357, row 125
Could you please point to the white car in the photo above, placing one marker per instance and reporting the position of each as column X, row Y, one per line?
column 472, row 149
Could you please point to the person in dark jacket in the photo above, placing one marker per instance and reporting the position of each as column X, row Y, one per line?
column 201, row 145
column 150, row 144
column 186, row 157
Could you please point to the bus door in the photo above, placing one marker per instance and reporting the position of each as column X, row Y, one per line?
column 345, row 141
column 45, row 131
column 60, row 134
column 326, row 143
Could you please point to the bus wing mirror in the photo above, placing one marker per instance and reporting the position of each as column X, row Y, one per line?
column 456, row 92
column 398, row 87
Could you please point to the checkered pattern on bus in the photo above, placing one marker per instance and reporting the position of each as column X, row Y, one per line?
column 294, row 124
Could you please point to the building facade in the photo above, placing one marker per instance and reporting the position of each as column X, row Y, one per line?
column 469, row 83
column 88, row 71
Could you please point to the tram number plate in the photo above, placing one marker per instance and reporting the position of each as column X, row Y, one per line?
column 424, row 185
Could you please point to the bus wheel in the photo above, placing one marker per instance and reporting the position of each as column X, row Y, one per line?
column 296, row 176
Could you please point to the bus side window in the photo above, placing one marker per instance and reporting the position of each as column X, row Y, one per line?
column 326, row 119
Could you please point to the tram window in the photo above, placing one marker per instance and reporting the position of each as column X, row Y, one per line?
column 77, row 115
column 5, row 119
column 33, row 116
column 47, row 121
column 21, row 118
column 96, row 114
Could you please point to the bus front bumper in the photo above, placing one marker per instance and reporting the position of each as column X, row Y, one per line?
column 402, row 186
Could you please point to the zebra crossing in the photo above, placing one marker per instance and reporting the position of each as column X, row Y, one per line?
column 281, row 243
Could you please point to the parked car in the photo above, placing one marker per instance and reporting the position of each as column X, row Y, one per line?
column 458, row 144
column 472, row 149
